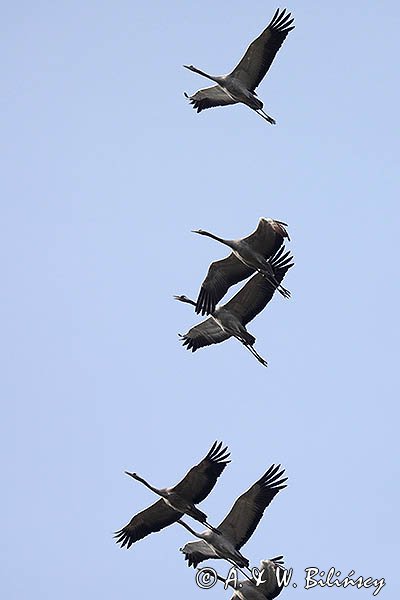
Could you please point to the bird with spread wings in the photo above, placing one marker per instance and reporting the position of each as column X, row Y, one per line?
column 230, row 320
column 239, row 524
column 241, row 83
column 177, row 500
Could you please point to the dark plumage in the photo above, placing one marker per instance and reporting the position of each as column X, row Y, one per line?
column 231, row 318
column 268, row 589
column 240, row 84
column 266, row 240
column 192, row 489
column 241, row 521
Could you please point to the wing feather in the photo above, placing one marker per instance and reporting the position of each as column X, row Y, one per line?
column 270, row 587
column 210, row 97
column 200, row 479
column 204, row 334
column 196, row 552
column 258, row 57
column 268, row 237
column 243, row 518
column 258, row 291
column 221, row 275
column 152, row 519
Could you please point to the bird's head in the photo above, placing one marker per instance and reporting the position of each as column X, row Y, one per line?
column 133, row 475
column 190, row 67
column 184, row 549
column 199, row 231
column 183, row 298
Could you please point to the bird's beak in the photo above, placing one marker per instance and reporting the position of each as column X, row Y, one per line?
column 186, row 66
column 130, row 474
column 195, row 231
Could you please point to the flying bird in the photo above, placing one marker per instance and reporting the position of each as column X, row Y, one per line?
column 240, row 84
column 231, row 318
column 249, row 254
column 268, row 589
column 177, row 500
column 238, row 525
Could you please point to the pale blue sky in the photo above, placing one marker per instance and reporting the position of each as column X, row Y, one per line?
column 105, row 170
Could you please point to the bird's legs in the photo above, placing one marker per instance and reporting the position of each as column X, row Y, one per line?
column 283, row 291
column 255, row 354
column 264, row 115
column 239, row 569
column 250, row 349
column 275, row 283
column 211, row 528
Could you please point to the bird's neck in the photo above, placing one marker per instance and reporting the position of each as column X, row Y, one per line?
column 148, row 485
column 192, row 531
column 231, row 243
column 188, row 301
column 212, row 77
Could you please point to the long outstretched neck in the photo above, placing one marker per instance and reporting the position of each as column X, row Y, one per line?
column 202, row 73
column 148, row 485
column 185, row 299
column 230, row 243
column 192, row 531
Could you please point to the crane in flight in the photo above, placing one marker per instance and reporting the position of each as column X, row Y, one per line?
column 240, row 84
column 239, row 524
column 269, row 588
column 249, row 254
column 177, row 500
column 231, row 318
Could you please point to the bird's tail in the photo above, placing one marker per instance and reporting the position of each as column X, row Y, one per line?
column 243, row 561
column 198, row 515
column 248, row 338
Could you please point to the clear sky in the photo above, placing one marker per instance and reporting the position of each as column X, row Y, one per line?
column 105, row 170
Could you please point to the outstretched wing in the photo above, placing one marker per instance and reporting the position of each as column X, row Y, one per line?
column 259, row 55
column 204, row 334
column 243, row 518
column 255, row 295
column 152, row 519
column 268, row 237
column 210, row 97
column 270, row 588
column 196, row 552
column 200, row 480
column 220, row 276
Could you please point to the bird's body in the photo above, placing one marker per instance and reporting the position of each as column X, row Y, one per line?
column 240, row 84
column 231, row 318
column 249, row 255
column 218, row 546
column 232, row 325
column 239, row 524
column 253, row 259
column 177, row 500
